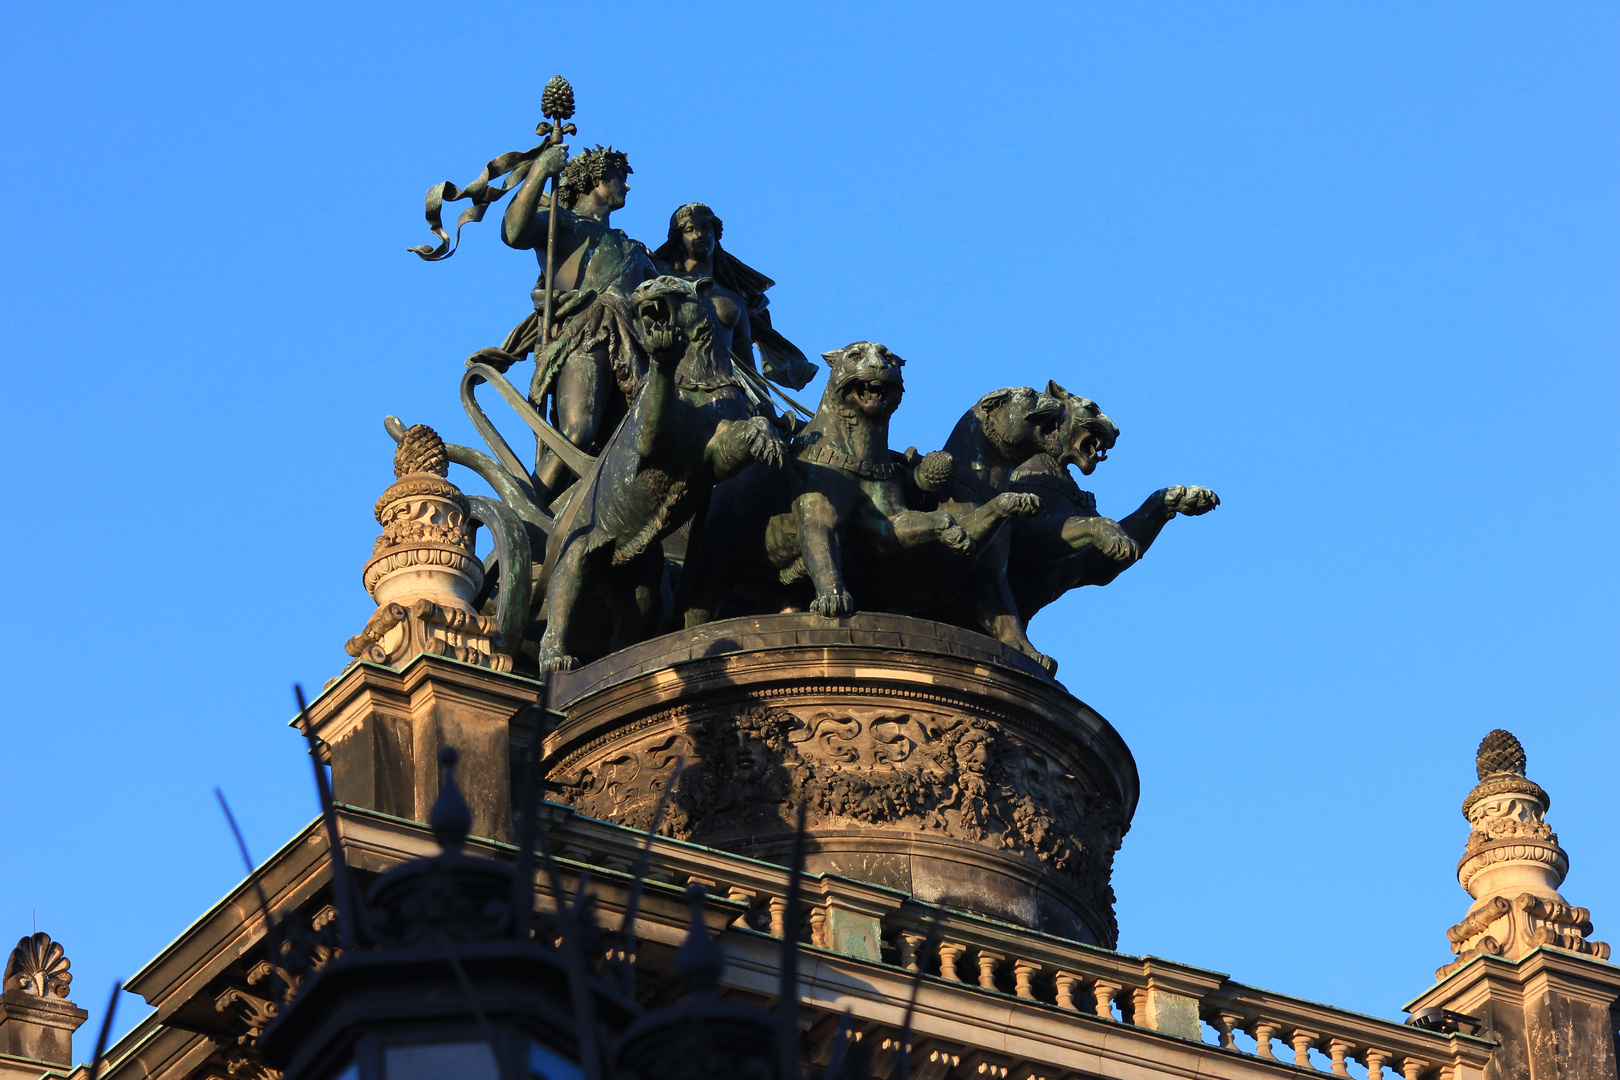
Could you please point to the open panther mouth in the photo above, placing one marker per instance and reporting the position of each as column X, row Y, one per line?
column 654, row 311
column 867, row 393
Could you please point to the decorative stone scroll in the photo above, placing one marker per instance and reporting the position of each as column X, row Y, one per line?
column 1512, row 865
column 38, row 967
column 423, row 571
column 920, row 768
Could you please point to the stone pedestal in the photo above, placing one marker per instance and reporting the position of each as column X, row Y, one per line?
column 1552, row 1012
column 383, row 728
column 933, row 760
column 38, row 1028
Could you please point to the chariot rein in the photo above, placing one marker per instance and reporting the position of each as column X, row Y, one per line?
column 519, row 509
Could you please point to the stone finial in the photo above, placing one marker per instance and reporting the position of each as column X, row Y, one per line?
column 421, row 451
column 1512, row 866
column 424, row 572
column 1499, row 752
column 37, row 1020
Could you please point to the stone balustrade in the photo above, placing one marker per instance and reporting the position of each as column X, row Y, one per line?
column 871, row 923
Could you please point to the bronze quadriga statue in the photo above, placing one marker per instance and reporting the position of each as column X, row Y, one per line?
column 777, row 597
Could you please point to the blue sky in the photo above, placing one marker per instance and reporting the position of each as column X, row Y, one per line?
column 1351, row 265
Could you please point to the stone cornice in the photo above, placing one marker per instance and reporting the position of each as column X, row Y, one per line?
column 365, row 688
column 1580, row 976
column 987, row 1020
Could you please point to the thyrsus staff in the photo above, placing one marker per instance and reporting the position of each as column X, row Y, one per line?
column 556, row 105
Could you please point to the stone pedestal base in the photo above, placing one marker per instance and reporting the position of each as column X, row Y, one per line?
column 1550, row 1010
column 933, row 760
column 383, row 730
column 38, row 1028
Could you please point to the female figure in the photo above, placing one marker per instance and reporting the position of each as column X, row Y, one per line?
column 692, row 250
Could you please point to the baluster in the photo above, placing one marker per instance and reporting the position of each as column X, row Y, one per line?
column 1139, row 1001
column 1226, row 1023
column 818, row 927
column 1263, row 1032
column 988, row 962
column 1374, row 1060
column 909, row 944
column 1337, row 1049
column 1104, row 991
column 1412, row 1068
column 1023, row 972
column 1302, row 1041
column 778, row 917
column 1065, row 983
column 949, row 954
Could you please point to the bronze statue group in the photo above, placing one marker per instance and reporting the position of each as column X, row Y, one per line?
column 668, row 489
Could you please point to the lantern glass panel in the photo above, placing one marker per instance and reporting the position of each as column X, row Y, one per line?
column 473, row 1060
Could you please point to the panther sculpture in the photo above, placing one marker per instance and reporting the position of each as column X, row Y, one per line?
column 688, row 427
column 786, row 537
column 1068, row 544
column 1000, row 432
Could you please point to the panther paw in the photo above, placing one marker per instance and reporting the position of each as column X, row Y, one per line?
column 1116, row 544
column 552, row 663
column 1191, row 501
column 1018, row 504
column 763, row 443
column 956, row 539
column 833, row 603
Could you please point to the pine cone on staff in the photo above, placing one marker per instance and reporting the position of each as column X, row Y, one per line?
column 421, row 451
column 1500, row 752
column 557, row 99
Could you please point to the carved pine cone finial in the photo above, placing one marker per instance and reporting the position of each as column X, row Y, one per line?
column 557, row 99
column 421, row 451
column 1500, row 752
column 38, row 966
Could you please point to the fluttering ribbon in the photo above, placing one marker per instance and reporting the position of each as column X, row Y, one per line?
column 482, row 191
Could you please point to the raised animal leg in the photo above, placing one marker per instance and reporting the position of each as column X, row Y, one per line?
column 1152, row 516
column 736, row 443
column 982, row 522
column 1111, row 548
column 912, row 529
column 894, row 527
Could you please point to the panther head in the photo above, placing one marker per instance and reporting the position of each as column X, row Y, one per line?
column 1087, row 433
column 665, row 303
column 863, row 378
column 1020, row 422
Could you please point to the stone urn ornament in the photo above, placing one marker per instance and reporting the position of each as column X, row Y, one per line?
column 424, row 572
column 1512, row 866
